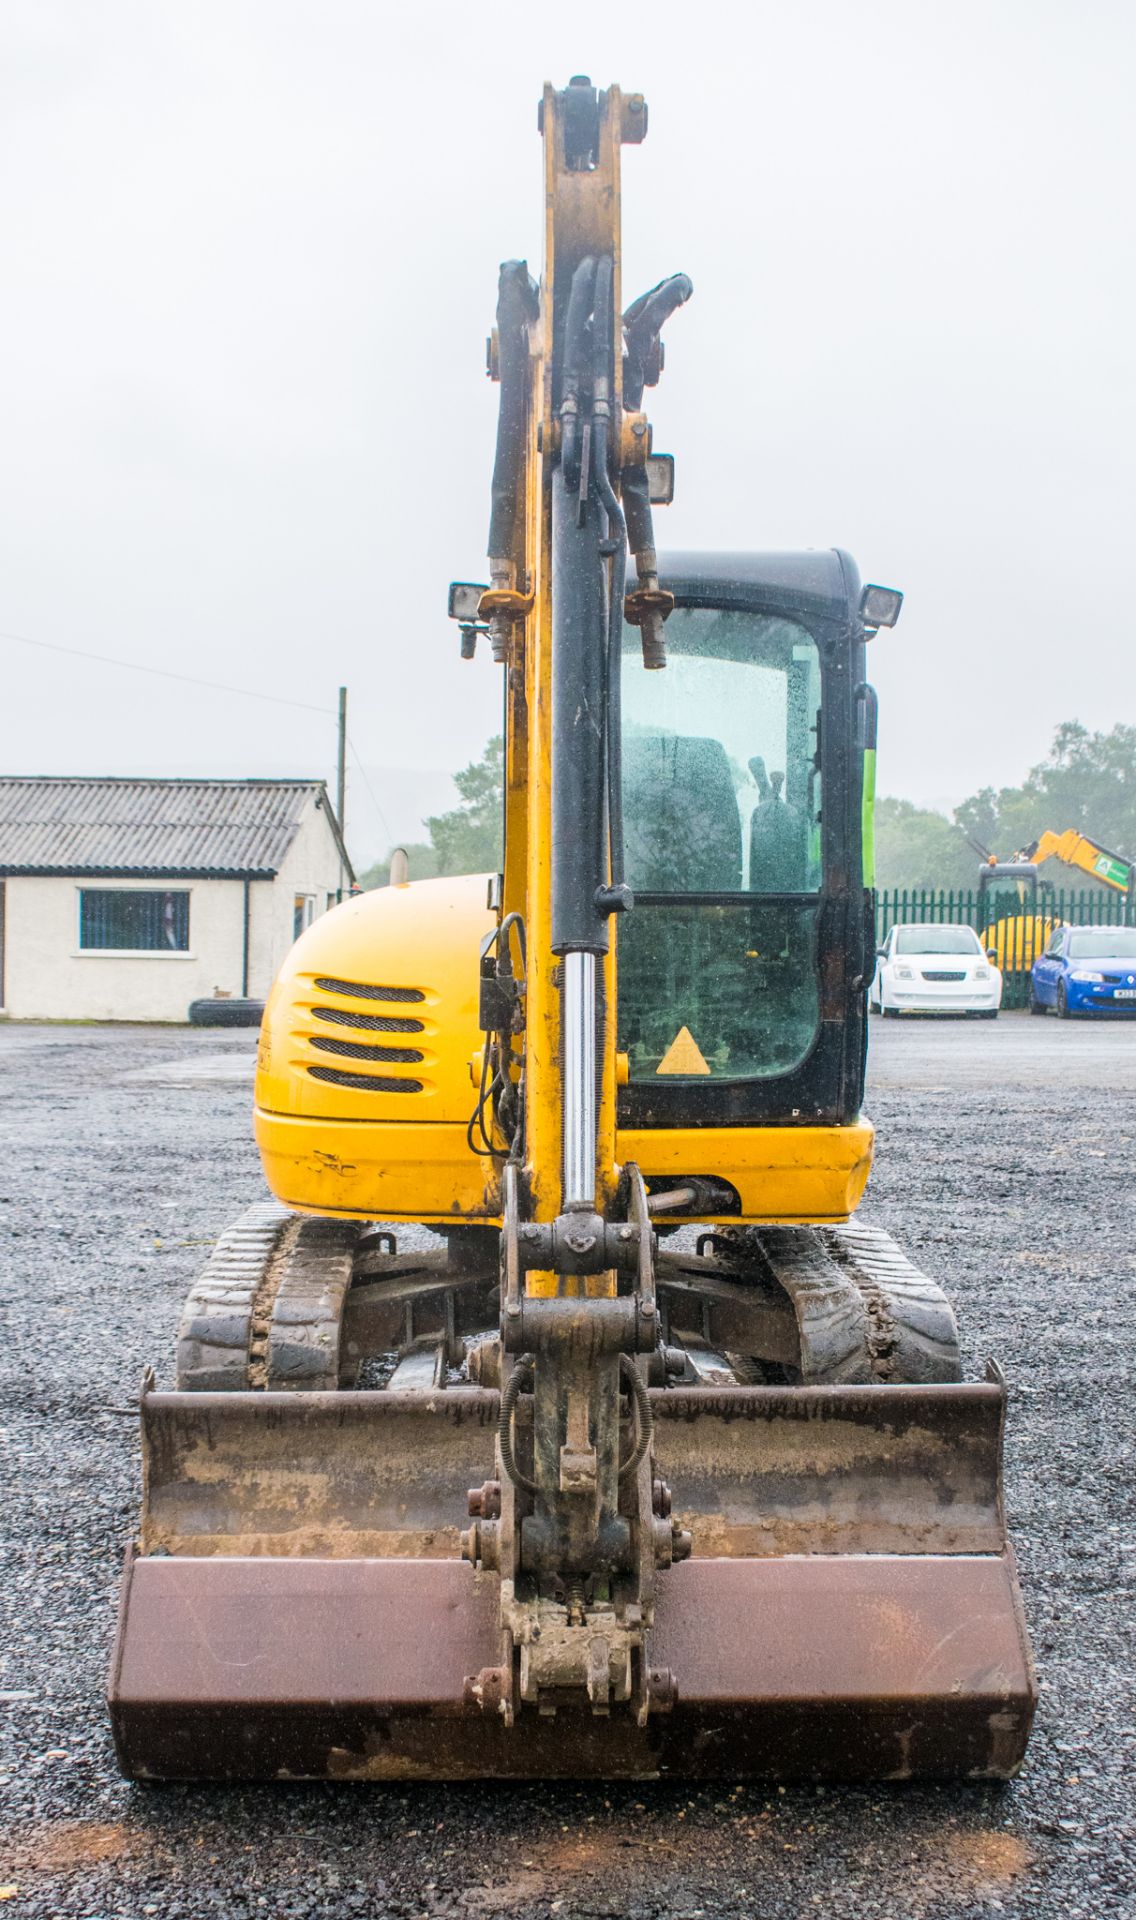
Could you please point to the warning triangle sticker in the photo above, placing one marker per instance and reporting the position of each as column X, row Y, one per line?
column 683, row 1055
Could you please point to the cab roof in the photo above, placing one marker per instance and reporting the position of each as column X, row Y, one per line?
column 821, row 581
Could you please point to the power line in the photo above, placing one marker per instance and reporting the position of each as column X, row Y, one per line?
column 166, row 673
column 215, row 686
column 370, row 789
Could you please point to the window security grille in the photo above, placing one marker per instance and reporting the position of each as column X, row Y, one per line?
column 133, row 921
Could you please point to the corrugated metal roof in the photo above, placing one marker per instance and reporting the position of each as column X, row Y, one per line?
column 152, row 827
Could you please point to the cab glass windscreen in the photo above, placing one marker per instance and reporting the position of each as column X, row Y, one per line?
column 720, row 779
column 721, row 800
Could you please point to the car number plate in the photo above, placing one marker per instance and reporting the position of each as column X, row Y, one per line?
column 1125, row 993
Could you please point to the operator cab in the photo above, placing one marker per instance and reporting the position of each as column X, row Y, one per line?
column 741, row 966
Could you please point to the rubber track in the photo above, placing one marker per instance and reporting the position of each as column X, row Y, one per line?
column 267, row 1310
column 864, row 1312
column 913, row 1334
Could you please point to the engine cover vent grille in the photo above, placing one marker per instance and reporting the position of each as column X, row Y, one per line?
column 353, row 1050
column 373, row 1022
column 365, row 1082
column 353, row 989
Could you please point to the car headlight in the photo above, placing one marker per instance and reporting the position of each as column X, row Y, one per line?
column 1087, row 979
column 905, row 973
column 982, row 973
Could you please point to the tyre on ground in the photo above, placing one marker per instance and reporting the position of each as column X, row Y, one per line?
column 226, row 1013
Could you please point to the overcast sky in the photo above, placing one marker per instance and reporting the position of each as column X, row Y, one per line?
column 250, row 252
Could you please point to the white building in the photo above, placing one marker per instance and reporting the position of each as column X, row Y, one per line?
column 127, row 899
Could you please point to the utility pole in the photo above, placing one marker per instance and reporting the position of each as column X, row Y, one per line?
column 341, row 769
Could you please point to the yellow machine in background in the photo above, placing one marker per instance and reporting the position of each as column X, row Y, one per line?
column 552, row 1418
column 1016, row 903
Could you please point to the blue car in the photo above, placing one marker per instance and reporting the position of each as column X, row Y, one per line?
column 1085, row 970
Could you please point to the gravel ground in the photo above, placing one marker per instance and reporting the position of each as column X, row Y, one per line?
column 1003, row 1166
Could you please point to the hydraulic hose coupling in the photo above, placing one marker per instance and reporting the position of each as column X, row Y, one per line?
column 647, row 608
column 500, row 625
column 652, row 636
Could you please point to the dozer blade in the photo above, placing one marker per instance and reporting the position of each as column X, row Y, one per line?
column 298, row 1609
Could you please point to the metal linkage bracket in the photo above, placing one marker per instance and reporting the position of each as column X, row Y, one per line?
column 575, row 1626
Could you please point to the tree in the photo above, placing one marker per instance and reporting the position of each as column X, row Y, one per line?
column 466, row 840
column 917, row 848
column 470, row 838
column 1087, row 780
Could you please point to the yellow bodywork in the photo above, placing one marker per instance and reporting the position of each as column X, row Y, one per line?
column 397, row 1148
column 1017, row 940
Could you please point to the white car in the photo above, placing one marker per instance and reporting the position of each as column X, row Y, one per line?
column 925, row 969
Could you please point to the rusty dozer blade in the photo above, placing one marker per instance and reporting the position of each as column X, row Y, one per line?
column 296, row 1607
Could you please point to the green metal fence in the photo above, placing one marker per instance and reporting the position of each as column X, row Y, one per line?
column 1011, row 927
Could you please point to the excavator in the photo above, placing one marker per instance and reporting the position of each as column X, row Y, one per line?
column 1017, row 903
column 554, row 1417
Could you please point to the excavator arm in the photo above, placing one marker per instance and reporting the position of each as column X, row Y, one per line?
column 1078, row 850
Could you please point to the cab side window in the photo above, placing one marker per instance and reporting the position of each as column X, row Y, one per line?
column 1056, row 941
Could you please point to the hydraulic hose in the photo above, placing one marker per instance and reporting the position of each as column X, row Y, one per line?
column 580, row 297
column 516, row 307
column 614, row 707
column 617, row 546
column 520, row 1380
column 644, row 1419
column 643, row 322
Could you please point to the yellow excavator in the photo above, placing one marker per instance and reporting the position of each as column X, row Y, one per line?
column 554, row 1418
column 1017, row 903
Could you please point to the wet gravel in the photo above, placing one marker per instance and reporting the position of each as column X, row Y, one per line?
column 1004, row 1166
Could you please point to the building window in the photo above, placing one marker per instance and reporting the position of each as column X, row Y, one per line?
column 133, row 921
column 303, row 913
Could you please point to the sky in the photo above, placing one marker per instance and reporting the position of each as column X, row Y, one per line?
column 251, row 250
